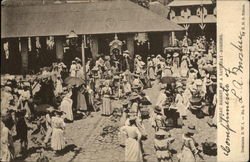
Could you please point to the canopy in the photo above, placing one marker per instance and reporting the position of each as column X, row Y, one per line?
column 84, row 18
column 176, row 3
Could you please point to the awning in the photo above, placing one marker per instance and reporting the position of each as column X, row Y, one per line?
column 83, row 18
column 176, row 3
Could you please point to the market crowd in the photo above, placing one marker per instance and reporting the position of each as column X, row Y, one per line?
column 44, row 103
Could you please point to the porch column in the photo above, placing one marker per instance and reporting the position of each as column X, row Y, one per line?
column 14, row 56
column 59, row 47
column 130, row 45
column 94, row 46
column 166, row 40
column 33, row 44
column 173, row 38
column 24, row 54
column 2, row 57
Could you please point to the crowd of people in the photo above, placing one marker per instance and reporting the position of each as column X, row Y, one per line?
column 61, row 94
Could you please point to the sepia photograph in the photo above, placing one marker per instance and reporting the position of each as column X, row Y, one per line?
column 109, row 81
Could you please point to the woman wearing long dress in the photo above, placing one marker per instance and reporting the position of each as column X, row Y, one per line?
column 73, row 69
column 162, row 143
column 189, row 149
column 25, row 96
column 184, row 66
column 66, row 106
column 151, row 72
column 175, row 68
column 133, row 151
column 7, row 145
column 106, row 101
column 57, row 138
column 58, row 88
column 179, row 100
column 81, row 99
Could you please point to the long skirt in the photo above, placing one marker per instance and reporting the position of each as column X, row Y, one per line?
column 106, row 106
column 187, row 155
column 57, row 139
column 132, row 150
column 151, row 73
column 81, row 102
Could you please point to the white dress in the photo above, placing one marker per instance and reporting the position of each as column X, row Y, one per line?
column 57, row 138
column 59, row 88
column 179, row 100
column 66, row 106
column 73, row 70
column 132, row 144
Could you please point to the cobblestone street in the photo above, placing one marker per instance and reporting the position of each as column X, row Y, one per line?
column 84, row 144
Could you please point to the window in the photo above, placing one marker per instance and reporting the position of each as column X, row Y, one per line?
column 193, row 10
column 210, row 10
column 177, row 11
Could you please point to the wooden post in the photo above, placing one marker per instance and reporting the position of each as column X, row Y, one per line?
column 24, row 54
column 14, row 56
column 173, row 38
column 94, row 47
column 83, row 56
column 59, row 47
column 130, row 45
column 166, row 39
column 33, row 44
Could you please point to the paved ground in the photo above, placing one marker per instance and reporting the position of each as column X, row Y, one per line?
column 84, row 142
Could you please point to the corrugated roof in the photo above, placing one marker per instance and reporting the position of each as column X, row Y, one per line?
column 83, row 18
column 176, row 3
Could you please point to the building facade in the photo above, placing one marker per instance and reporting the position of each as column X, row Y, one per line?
column 197, row 17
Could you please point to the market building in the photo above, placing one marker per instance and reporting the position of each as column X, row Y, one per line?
column 44, row 29
column 198, row 17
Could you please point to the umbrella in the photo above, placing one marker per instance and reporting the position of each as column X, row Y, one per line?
column 74, row 81
column 168, row 80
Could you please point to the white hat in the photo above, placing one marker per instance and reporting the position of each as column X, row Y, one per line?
column 175, row 54
column 127, row 51
column 198, row 82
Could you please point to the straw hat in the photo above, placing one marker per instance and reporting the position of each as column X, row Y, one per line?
column 190, row 129
column 157, row 109
column 106, row 83
column 179, row 85
column 175, row 54
column 158, row 56
column 184, row 57
column 95, row 68
column 50, row 109
column 136, row 75
column 125, row 102
column 78, row 59
column 134, row 96
column 132, row 115
column 59, row 112
column 7, row 88
column 127, row 51
column 198, row 82
column 213, row 78
column 163, row 86
column 73, row 62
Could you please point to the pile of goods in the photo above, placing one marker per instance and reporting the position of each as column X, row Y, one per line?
column 209, row 148
column 109, row 134
column 117, row 113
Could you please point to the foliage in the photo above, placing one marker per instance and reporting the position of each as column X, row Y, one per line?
column 143, row 3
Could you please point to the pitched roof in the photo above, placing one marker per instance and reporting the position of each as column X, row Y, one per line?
column 84, row 18
column 176, row 3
